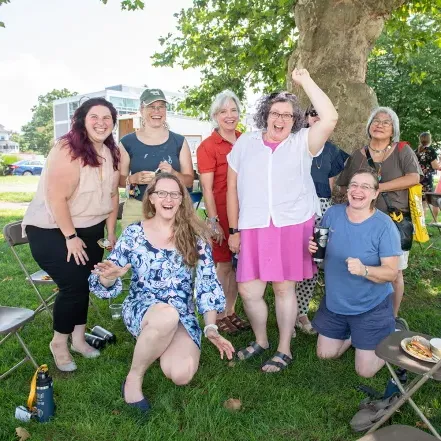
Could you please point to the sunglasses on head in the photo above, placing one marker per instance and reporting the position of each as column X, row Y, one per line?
column 313, row 113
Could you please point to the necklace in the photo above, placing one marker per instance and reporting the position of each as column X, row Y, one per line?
column 321, row 162
column 381, row 151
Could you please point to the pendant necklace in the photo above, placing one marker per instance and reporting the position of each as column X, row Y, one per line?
column 321, row 162
column 381, row 151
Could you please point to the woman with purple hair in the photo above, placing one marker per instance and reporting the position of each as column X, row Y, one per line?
column 77, row 197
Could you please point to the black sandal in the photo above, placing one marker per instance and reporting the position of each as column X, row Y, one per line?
column 248, row 354
column 286, row 358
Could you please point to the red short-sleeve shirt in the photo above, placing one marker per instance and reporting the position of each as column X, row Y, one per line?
column 212, row 157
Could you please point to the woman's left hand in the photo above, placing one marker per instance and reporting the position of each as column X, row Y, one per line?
column 165, row 167
column 224, row 346
column 111, row 237
column 355, row 266
column 299, row 76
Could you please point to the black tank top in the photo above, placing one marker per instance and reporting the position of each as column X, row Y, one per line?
column 144, row 157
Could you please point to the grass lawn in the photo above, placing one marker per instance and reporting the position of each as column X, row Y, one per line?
column 16, row 197
column 312, row 401
column 9, row 180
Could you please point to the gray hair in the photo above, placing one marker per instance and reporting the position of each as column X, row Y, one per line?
column 393, row 117
column 266, row 102
column 219, row 102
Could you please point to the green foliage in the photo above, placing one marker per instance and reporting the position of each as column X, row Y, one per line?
column 236, row 44
column 38, row 134
column 10, row 159
column 411, row 83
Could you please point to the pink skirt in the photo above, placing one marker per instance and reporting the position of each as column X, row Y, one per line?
column 438, row 187
column 276, row 254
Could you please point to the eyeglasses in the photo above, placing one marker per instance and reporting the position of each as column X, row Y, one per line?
column 365, row 187
column 313, row 113
column 382, row 122
column 285, row 116
column 162, row 194
column 157, row 108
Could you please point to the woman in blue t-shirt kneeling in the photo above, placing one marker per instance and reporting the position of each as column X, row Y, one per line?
column 360, row 264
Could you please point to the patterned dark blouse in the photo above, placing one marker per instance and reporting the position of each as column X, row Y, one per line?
column 425, row 157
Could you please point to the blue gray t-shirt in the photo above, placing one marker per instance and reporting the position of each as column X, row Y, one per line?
column 368, row 241
column 145, row 157
column 327, row 165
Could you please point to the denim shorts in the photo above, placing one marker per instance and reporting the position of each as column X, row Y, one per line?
column 366, row 330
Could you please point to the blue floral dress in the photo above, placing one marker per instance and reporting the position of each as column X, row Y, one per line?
column 161, row 276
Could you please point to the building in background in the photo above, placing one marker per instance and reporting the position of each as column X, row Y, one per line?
column 126, row 102
column 6, row 145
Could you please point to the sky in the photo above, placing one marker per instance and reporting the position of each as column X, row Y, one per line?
column 81, row 45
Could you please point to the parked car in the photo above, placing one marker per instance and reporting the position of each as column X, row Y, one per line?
column 25, row 167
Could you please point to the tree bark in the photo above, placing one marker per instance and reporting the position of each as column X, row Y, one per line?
column 335, row 39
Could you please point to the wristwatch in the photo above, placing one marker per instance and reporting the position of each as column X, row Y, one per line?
column 366, row 271
column 233, row 230
column 71, row 236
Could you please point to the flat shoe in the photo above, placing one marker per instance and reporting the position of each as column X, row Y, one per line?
column 67, row 367
column 91, row 354
column 143, row 405
column 306, row 328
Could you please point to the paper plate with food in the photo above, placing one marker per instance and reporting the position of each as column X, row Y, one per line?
column 106, row 244
column 419, row 347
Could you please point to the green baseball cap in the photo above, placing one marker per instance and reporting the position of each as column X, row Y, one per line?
column 151, row 95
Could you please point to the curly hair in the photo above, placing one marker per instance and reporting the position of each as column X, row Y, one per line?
column 187, row 227
column 77, row 139
column 264, row 106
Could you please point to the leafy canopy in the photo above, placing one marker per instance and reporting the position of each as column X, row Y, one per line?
column 410, row 83
column 239, row 44
column 38, row 134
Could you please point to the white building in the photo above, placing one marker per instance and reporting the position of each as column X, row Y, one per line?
column 6, row 145
column 126, row 102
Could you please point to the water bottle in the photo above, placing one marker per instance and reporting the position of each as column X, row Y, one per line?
column 104, row 334
column 45, row 397
column 234, row 261
column 94, row 341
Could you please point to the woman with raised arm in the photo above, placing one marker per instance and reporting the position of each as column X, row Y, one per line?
column 271, row 205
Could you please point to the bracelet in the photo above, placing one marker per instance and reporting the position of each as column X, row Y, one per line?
column 213, row 219
column 212, row 326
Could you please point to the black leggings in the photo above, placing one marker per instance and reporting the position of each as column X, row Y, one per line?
column 48, row 247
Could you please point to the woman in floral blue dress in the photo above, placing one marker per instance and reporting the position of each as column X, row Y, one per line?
column 165, row 252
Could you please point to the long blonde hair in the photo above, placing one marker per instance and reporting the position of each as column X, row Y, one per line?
column 187, row 227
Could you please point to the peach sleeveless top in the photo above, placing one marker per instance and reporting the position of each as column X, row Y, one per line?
column 90, row 203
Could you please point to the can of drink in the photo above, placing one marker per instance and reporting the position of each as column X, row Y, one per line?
column 321, row 239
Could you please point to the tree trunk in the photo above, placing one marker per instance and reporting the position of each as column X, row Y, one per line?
column 335, row 39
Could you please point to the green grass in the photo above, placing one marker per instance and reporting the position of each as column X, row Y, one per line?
column 313, row 400
column 16, row 196
column 9, row 180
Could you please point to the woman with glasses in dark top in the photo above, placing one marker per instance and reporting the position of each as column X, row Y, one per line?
column 271, row 206
column 324, row 168
column 152, row 148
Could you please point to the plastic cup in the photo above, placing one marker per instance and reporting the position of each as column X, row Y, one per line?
column 116, row 311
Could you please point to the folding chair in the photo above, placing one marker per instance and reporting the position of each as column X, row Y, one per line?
column 120, row 210
column 13, row 237
column 398, row 432
column 390, row 351
column 11, row 321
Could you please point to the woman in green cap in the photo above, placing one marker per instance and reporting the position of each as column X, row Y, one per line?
column 151, row 149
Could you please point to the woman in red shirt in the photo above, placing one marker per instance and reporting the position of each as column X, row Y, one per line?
column 213, row 167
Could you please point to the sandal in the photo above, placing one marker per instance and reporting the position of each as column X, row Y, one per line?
column 246, row 354
column 240, row 324
column 226, row 326
column 285, row 358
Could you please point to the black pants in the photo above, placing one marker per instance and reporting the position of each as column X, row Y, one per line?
column 48, row 247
